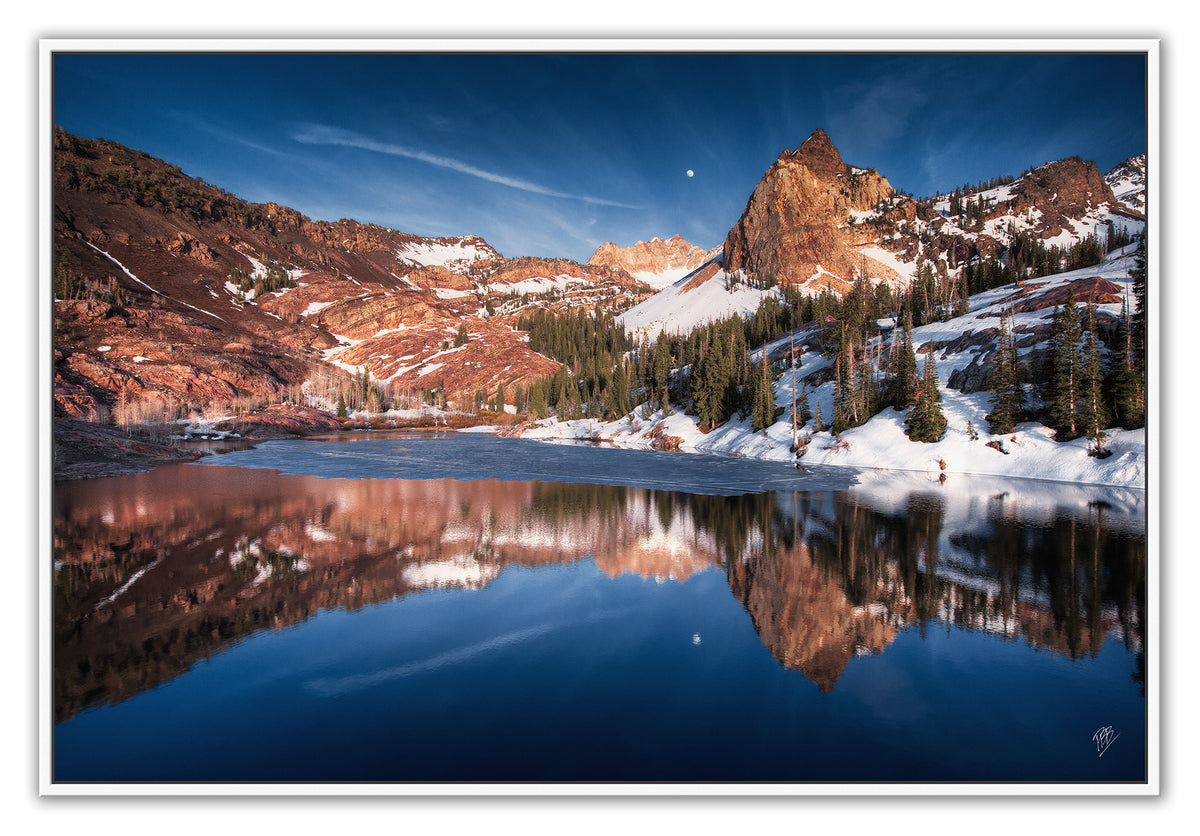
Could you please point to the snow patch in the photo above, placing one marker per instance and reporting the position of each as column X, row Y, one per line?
column 316, row 307
column 679, row 308
column 461, row 571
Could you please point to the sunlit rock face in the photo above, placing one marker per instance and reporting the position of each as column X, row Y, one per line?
column 793, row 227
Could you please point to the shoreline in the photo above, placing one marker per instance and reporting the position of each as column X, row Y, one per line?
column 879, row 469
column 83, row 450
column 1029, row 452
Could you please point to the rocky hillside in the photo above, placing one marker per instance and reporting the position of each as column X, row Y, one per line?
column 656, row 262
column 173, row 294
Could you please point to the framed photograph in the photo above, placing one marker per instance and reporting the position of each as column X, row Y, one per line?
column 599, row 417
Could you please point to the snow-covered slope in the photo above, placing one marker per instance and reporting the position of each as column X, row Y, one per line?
column 662, row 279
column 704, row 295
column 1008, row 213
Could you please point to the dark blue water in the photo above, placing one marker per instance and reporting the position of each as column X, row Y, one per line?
column 299, row 622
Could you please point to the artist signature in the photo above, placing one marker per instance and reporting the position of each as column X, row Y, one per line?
column 1103, row 738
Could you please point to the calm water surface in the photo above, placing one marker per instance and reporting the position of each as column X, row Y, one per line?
column 483, row 609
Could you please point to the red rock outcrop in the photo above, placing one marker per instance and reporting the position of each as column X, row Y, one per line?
column 1058, row 192
column 794, row 226
column 1094, row 289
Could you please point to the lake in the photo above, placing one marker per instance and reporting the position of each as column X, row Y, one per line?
column 370, row 608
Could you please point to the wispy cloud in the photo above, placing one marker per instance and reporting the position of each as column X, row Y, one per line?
column 875, row 113
column 325, row 135
column 227, row 135
column 579, row 231
column 331, row 687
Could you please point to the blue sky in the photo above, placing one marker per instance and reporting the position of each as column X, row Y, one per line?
column 555, row 154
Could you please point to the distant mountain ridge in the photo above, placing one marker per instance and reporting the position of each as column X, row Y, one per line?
column 656, row 262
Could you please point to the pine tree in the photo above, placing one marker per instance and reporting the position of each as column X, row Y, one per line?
column 1124, row 385
column 926, row 422
column 620, row 391
column 864, row 388
column 1094, row 414
column 537, row 399
column 569, row 404
column 764, row 397
column 1065, row 361
column 1006, row 400
column 739, row 368
column 1140, row 335
column 711, row 378
column 923, row 291
column 65, row 284
column 904, row 367
column 795, row 412
column 662, row 371
column 803, row 413
column 1139, row 276
column 846, row 391
column 644, row 376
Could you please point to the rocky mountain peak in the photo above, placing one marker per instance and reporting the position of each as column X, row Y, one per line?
column 819, row 155
column 795, row 226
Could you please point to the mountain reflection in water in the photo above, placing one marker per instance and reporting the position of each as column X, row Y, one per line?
column 158, row 570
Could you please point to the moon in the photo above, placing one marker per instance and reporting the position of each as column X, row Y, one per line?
column 691, row 173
